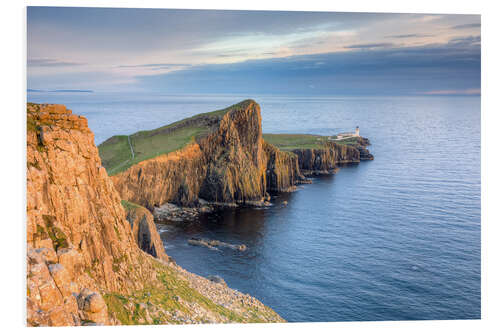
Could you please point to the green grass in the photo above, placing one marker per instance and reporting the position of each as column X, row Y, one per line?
column 130, row 205
column 289, row 142
column 348, row 141
column 116, row 155
column 115, row 152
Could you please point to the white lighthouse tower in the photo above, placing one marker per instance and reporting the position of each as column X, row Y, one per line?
column 357, row 131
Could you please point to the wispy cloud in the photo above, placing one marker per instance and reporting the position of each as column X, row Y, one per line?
column 466, row 40
column 363, row 71
column 369, row 46
column 153, row 65
column 467, row 26
column 44, row 62
column 60, row 91
column 454, row 92
column 71, row 47
column 410, row 36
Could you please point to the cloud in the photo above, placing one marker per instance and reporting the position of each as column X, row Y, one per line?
column 360, row 71
column 466, row 40
column 454, row 92
column 369, row 46
column 155, row 67
column 410, row 36
column 467, row 26
column 206, row 45
column 152, row 65
column 40, row 62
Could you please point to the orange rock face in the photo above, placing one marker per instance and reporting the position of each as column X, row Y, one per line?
column 144, row 232
column 227, row 166
column 282, row 171
column 232, row 164
column 90, row 262
column 325, row 160
column 79, row 242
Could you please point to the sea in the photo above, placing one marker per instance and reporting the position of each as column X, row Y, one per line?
column 396, row 238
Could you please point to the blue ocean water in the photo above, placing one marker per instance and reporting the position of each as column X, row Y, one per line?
column 397, row 238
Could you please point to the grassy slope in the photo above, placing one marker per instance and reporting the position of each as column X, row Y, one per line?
column 288, row 142
column 116, row 155
column 166, row 296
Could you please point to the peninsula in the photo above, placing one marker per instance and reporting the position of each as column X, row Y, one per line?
column 222, row 158
column 94, row 254
column 94, row 259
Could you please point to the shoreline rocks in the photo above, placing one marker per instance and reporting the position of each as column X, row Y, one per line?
column 214, row 244
column 171, row 213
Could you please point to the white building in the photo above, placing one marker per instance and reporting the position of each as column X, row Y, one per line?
column 346, row 135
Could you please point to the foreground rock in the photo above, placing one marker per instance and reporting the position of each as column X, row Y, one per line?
column 84, row 264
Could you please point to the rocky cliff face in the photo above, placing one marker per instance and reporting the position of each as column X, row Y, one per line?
column 226, row 166
column 83, row 262
column 144, row 230
column 231, row 164
column 325, row 160
column 282, row 171
column 236, row 163
column 75, row 222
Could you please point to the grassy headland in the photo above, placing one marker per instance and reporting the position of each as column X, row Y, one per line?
column 120, row 152
column 289, row 142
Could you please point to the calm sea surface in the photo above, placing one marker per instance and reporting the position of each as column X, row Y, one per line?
column 397, row 238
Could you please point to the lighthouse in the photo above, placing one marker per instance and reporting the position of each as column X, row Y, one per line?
column 357, row 131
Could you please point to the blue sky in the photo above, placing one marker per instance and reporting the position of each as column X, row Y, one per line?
column 199, row 51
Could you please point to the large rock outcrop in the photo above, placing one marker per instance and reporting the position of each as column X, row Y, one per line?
column 84, row 265
column 144, row 230
column 78, row 240
column 231, row 164
column 228, row 165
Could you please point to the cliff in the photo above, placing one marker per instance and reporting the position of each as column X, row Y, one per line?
column 325, row 160
column 318, row 154
column 85, row 265
column 144, row 230
column 227, row 164
column 282, row 170
column 220, row 157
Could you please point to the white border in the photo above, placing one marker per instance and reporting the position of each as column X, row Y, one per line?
column 13, row 87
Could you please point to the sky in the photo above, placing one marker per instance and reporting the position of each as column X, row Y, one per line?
column 213, row 51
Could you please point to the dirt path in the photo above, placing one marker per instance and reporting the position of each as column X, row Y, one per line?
column 131, row 149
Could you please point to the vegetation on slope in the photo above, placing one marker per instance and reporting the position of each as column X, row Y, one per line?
column 120, row 152
column 174, row 301
column 289, row 142
column 116, row 152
